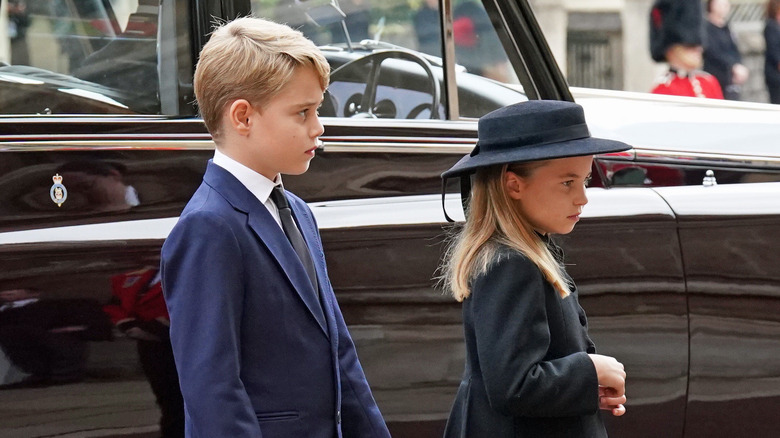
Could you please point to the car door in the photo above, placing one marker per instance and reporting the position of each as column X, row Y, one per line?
column 626, row 260
column 728, row 236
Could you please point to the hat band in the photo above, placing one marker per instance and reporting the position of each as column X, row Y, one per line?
column 557, row 135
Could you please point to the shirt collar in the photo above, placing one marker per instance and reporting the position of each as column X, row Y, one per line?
column 259, row 185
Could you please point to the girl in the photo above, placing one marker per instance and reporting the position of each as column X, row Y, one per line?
column 531, row 369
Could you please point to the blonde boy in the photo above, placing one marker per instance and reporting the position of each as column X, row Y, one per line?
column 261, row 346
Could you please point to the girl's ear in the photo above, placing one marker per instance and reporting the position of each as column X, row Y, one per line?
column 514, row 185
column 238, row 115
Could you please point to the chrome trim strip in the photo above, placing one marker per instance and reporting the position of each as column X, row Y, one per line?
column 677, row 157
column 440, row 147
column 384, row 144
column 388, row 144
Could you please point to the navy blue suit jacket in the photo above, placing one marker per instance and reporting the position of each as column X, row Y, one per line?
column 253, row 359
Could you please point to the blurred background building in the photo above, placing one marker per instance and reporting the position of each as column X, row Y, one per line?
column 604, row 43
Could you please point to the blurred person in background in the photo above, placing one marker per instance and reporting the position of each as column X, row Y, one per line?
column 772, row 61
column 18, row 22
column 676, row 37
column 721, row 54
column 427, row 27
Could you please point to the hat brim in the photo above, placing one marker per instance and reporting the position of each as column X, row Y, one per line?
column 572, row 148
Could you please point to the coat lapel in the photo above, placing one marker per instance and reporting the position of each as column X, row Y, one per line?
column 270, row 234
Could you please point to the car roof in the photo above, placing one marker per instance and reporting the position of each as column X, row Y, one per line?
column 683, row 124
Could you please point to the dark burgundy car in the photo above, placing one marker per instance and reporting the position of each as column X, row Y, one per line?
column 676, row 257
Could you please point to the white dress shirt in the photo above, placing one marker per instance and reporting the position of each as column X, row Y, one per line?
column 256, row 183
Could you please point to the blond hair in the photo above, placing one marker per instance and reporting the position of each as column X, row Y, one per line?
column 492, row 220
column 250, row 58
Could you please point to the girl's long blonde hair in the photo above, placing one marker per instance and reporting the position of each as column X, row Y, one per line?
column 493, row 219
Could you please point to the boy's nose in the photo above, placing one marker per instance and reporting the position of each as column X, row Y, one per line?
column 318, row 128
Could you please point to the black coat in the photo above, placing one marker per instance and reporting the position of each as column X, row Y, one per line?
column 528, row 373
column 720, row 54
column 772, row 59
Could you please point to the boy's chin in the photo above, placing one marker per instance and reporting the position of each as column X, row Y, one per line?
column 300, row 170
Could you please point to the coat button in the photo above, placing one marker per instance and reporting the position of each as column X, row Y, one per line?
column 338, row 417
column 583, row 320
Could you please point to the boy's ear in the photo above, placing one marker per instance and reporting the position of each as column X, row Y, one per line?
column 514, row 185
column 239, row 114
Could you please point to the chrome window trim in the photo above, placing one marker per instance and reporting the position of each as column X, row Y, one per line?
column 703, row 158
column 368, row 144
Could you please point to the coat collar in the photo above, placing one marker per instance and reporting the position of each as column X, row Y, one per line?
column 270, row 234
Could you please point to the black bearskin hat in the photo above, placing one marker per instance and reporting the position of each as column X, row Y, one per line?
column 675, row 22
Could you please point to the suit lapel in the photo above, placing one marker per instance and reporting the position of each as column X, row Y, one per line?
column 270, row 234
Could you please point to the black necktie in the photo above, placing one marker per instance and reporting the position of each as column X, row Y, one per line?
column 294, row 235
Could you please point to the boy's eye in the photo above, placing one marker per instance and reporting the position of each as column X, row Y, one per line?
column 587, row 181
column 568, row 183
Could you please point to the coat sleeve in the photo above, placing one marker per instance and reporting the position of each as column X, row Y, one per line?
column 360, row 416
column 510, row 321
column 201, row 274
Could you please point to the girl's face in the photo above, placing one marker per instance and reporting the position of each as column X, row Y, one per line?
column 552, row 196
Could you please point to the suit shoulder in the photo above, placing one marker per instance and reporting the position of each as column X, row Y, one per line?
column 207, row 203
column 204, row 219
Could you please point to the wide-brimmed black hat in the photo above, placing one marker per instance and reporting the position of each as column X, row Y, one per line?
column 532, row 131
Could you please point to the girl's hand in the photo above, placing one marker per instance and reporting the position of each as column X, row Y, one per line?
column 608, row 401
column 610, row 374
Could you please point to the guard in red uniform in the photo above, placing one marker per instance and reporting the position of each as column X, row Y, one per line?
column 676, row 36
column 138, row 310
column 693, row 84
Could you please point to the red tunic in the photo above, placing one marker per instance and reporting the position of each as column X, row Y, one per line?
column 136, row 294
column 694, row 84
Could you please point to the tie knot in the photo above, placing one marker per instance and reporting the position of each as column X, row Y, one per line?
column 277, row 195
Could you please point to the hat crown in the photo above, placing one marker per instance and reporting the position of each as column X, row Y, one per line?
column 531, row 131
column 531, row 123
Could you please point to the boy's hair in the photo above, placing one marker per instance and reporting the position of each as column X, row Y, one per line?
column 250, row 58
column 493, row 219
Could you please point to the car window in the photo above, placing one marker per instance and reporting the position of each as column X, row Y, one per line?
column 606, row 44
column 95, row 56
column 386, row 56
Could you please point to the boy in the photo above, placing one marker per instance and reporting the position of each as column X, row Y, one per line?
column 260, row 344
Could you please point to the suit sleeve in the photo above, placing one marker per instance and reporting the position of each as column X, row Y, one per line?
column 201, row 273
column 360, row 416
column 512, row 337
